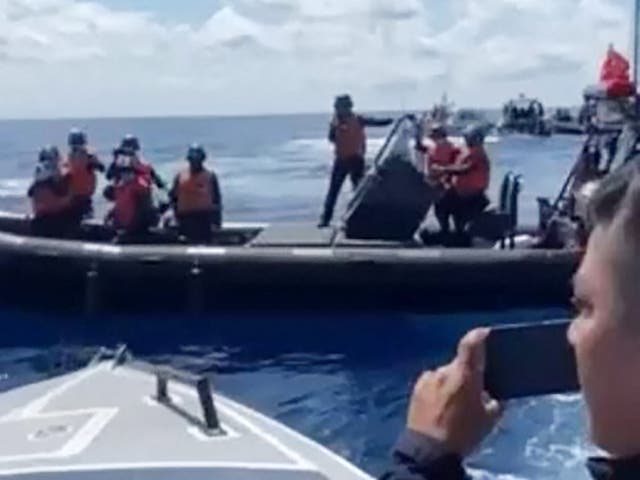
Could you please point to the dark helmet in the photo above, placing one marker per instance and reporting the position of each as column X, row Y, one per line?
column 474, row 134
column 343, row 102
column 77, row 138
column 196, row 153
column 49, row 154
column 438, row 130
column 130, row 143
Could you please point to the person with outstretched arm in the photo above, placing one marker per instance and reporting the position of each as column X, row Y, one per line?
column 348, row 136
column 451, row 413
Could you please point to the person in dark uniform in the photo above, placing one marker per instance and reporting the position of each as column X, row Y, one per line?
column 450, row 412
column 347, row 134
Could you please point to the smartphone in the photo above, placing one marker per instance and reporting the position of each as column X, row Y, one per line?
column 529, row 361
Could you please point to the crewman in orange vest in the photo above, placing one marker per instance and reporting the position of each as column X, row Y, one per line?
column 440, row 155
column 133, row 213
column 82, row 166
column 51, row 197
column 471, row 176
column 347, row 133
column 196, row 198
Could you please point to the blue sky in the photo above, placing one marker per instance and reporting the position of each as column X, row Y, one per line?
column 159, row 57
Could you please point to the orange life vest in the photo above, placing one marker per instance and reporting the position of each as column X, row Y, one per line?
column 126, row 197
column 83, row 177
column 194, row 192
column 350, row 138
column 45, row 201
column 476, row 179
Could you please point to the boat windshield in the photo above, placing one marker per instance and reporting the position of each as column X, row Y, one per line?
column 400, row 144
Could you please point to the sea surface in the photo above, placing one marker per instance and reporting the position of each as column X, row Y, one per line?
column 342, row 379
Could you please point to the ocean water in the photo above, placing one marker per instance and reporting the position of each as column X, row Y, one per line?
column 342, row 379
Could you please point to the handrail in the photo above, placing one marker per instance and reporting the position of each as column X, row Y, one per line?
column 390, row 137
column 202, row 385
column 121, row 355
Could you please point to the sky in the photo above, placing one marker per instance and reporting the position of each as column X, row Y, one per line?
column 76, row 58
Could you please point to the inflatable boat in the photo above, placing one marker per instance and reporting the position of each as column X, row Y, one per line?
column 379, row 256
column 525, row 116
column 563, row 122
column 121, row 418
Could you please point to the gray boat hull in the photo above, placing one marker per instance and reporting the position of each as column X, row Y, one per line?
column 105, row 422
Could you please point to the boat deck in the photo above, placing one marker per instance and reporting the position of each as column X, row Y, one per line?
column 105, row 422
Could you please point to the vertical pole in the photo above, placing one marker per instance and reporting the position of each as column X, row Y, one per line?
column 162, row 391
column 636, row 40
column 636, row 53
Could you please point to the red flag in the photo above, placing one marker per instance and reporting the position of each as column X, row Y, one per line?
column 615, row 68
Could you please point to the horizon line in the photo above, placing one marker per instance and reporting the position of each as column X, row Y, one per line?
column 228, row 115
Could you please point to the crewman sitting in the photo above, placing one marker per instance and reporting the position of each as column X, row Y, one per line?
column 51, row 197
column 196, row 199
column 133, row 212
column 82, row 166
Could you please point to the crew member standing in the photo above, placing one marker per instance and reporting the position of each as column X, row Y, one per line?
column 51, row 197
column 441, row 155
column 347, row 133
column 196, row 198
column 81, row 166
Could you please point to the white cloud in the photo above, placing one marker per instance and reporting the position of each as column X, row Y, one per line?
column 288, row 55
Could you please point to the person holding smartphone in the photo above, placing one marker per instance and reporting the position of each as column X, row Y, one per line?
column 451, row 412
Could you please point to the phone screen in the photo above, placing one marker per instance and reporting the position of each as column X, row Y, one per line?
column 530, row 360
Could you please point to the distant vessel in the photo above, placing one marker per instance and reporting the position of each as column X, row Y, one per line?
column 524, row 115
column 563, row 121
column 456, row 121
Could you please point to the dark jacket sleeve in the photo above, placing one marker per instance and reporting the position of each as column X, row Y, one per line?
column 96, row 165
column 375, row 122
column 332, row 132
column 417, row 457
column 173, row 193
column 157, row 179
column 215, row 190
column 112, row 171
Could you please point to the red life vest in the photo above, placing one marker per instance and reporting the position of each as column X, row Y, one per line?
column 46, row 201
column 83, row 177
column 144, row 169
column 194, row 192
column 441, row 154
column 476, row 179
column 350, row 138
column 127, row 195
